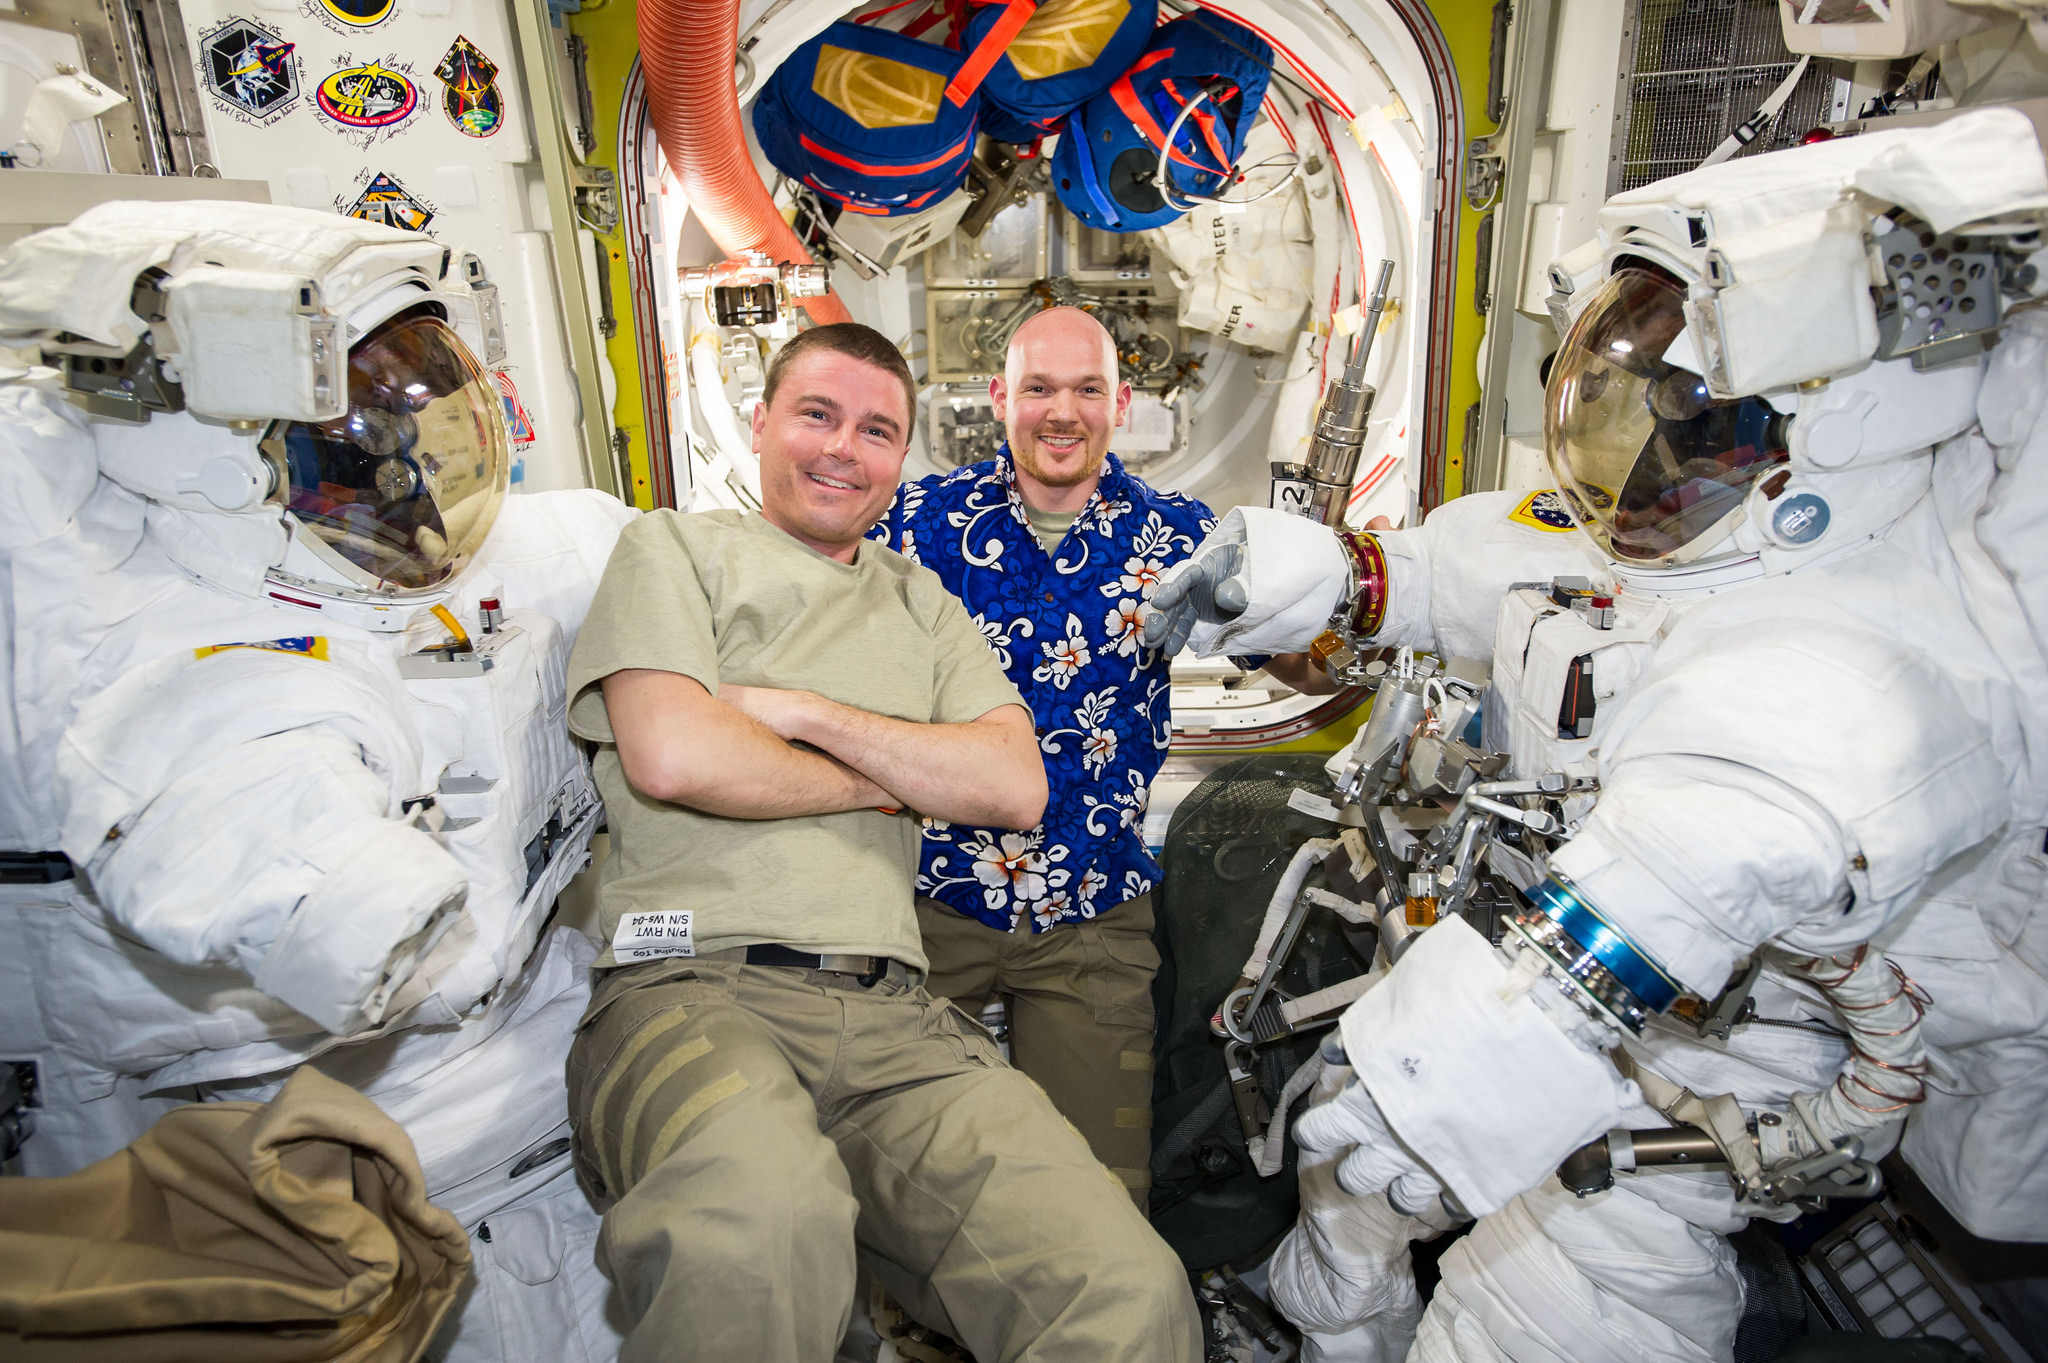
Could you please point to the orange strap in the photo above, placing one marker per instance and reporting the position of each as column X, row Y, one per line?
column 993, row 44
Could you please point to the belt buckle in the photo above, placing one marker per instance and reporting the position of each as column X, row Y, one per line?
column 879, row 966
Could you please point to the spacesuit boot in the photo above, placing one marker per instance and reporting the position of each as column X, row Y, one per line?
column 1773, row 748
column 288, row 757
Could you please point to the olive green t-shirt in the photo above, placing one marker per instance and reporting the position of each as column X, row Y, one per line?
column 1050, row 526
column 723, row 596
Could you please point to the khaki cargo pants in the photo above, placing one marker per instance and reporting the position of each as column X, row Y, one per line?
column 1080, row 1006
column 754, row 1128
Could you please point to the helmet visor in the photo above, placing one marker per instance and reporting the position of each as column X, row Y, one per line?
column 1652, row 465
column 401, row 490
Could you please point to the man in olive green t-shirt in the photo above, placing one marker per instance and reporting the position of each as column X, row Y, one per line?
column 763, row 1090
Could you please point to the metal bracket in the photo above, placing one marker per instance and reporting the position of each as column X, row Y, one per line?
column 597, row 197
column 996, row 187
column 1252, row 1112
column 1485, row 168
column 1732, row 1007
column 1840, row 1172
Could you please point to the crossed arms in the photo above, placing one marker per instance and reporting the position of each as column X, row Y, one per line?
column 734, row 754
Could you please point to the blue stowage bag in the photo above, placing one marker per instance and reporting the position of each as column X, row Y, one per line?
column 1066, row 53
column 1104, row 168
column 874, row 121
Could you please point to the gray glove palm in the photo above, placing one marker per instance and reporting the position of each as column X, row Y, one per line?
column 1205, row 586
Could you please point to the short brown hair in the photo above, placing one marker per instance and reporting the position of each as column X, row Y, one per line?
column 854, row 341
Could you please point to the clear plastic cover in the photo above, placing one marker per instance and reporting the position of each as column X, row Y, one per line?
column 400, row 491
column 1652, row 465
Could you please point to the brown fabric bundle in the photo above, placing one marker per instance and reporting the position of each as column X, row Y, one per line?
column 275, row 1232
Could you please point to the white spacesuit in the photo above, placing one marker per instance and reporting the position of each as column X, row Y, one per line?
column 286, row 774
column 1811, row 726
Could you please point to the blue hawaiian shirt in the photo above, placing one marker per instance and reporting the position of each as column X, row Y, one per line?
column 1065, row 626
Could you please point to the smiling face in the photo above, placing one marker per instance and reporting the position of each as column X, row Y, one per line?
column 1059, row 399
column 831, row 443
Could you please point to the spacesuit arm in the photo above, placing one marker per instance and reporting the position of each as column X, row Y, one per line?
column 1268, row 582
column 248, row 809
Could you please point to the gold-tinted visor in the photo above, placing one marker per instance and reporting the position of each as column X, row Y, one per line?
column 1652, row 465
column 401, row 490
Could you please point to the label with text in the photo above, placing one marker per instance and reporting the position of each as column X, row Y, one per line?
column 652, row 936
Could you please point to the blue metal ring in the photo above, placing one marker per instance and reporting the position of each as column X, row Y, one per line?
column 1605, row 943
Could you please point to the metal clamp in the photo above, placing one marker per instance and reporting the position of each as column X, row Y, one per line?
column 1821, row 1176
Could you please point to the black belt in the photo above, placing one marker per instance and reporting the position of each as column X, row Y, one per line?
column 867, row 969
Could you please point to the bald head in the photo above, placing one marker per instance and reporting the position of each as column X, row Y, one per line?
column 1059, row 400
column 1060, row 329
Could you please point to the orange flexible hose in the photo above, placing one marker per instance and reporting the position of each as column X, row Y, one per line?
column 687, row 50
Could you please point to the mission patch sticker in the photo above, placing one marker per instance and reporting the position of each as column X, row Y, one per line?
column 471, row 100
column 385, row 200
column 358, row 13
column 1544, row 510
column 369, row 97
column 250, row 69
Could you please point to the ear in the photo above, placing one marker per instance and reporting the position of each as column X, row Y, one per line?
column 999, row 394
column 759, row 423
column 1123, row 403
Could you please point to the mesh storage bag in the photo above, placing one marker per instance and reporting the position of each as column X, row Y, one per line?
column 1226, row 848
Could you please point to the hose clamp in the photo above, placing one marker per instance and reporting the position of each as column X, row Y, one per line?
column 1609, row 970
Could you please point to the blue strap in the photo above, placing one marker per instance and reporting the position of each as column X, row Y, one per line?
column 1086, row 157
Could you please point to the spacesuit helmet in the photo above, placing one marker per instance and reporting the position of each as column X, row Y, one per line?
column 397, row 493
column 304, row 395
column 1760, row 355
column 1654, row 466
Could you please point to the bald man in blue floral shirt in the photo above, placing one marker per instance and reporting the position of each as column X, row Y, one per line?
column 1053, row 547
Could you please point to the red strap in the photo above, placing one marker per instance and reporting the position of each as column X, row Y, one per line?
column 1134, row 109
column 864, row 168
column 993, row 44
column 854, row 206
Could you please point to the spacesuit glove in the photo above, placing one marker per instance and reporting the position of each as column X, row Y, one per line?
column 1377, row 1160
column 1263, row 582
column 1204, row 588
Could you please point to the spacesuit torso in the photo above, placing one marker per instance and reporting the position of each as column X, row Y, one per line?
column 287, row 774
column 189, row 721
column 1904, row 589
